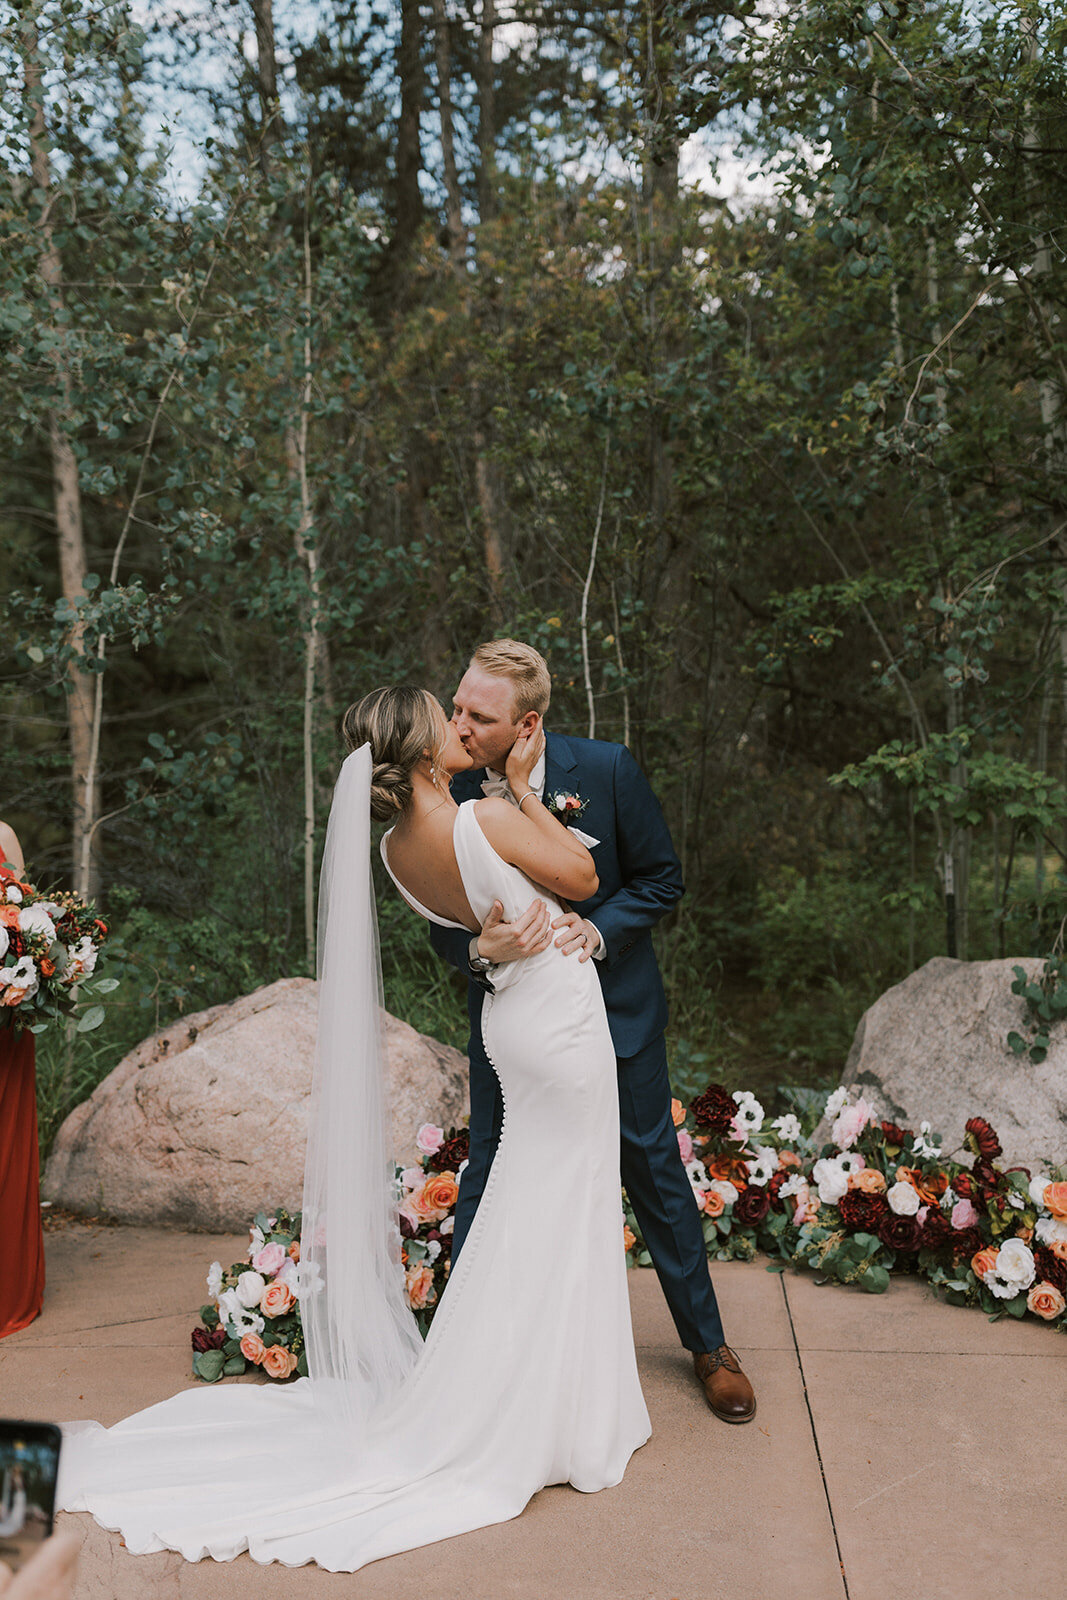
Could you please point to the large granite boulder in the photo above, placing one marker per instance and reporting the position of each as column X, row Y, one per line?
column 206, row 1122
column 934, row 1048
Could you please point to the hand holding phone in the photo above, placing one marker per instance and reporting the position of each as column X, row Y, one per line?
column 29, row 1463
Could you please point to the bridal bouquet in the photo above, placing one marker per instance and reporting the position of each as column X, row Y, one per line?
column 427, row 1195
column 873, row 1199
column 253, row 1316
column 49, row 949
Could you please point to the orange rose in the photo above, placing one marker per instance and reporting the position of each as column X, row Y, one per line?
column 677, row 1113
column 253, row 1348
column 294, row 1250
column 47, row 967
column 733, row 1168
column 440, row 1191
column 1055, row 1198
column 788, row 1158
column 1046, row 1301
column 278, row 1362
column 419, row 1281
column 277, row 1300
column 9, row 915
column 929, row 1186
column 13, row 996
column 629, row 1237
column 984, row 1261
column 867, row 1181
column 714, row 1204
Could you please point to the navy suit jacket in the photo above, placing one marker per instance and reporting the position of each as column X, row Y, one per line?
column 640, row 880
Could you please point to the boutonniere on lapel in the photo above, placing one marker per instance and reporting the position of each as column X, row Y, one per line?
column 566, row 808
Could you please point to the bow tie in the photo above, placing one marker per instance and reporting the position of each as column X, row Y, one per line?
column 495, row 783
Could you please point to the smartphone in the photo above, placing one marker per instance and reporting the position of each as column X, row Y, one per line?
column 29, row 1462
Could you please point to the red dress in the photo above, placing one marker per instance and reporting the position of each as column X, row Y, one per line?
column 21, row 1240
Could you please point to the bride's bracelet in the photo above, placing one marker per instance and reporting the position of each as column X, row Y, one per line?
column 526, row 797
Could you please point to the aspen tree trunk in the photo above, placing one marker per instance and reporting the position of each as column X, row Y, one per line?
column 485, row 478
column 66, row 490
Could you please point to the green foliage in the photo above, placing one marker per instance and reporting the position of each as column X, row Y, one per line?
column 1046, row 1004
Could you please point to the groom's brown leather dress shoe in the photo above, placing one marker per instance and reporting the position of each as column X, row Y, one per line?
column 726, row 1389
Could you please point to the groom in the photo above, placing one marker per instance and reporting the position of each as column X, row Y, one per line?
column 503, row 691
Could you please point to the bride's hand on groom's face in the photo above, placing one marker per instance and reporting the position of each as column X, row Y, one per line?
column 528, row 935
column 524, row 756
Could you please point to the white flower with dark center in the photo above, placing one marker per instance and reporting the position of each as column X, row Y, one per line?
column 697, row 1174
column 850, row 1161
column 763, row 1167
column 1003, row 1288
column 788, row 1127
column 23, row 975
column 749, row 1115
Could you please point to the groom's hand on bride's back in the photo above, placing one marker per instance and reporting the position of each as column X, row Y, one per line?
column 527, row 935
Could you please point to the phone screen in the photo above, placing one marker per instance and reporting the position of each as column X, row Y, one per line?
column 29, row 1461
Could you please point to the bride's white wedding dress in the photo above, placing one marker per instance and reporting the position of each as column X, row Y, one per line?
column 528, row 1376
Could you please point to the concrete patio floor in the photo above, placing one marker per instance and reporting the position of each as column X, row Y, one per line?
column 902, row 1448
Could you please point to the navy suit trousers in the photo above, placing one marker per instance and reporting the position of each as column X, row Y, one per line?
column 652, row 1173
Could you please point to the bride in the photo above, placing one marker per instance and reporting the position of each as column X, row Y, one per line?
column 529, row 1367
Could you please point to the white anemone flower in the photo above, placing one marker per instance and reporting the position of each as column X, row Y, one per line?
column 787, row 1127
column 763, row 1167
column 749, row 1113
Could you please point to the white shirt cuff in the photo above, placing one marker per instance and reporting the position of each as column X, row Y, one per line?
column 601, row 950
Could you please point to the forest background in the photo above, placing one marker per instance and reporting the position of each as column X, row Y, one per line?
column 340, row 336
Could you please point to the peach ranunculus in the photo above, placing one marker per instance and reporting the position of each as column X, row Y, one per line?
column 677, row 1113
column 1046, row 1301
column 985, row 1261
column 734, row 1169
column 1058, row 1248
column 713, row 1203
column 278, row 1362
column 419, row 1281
column 294, row 1250
column 629, row 1237
column 1055, row 1199
column 867, row 1181
column 788, row 1158
column 929, row 1186
column 277, row 1300
column 440, row 1192
column 253, row 1348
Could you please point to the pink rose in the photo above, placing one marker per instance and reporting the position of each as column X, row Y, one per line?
column 269, row 1259
column 685, row 1145
column 964, row 1215
column 429, row 1139
column 419, row 1280
column 850, row 1124
column 277, row 1300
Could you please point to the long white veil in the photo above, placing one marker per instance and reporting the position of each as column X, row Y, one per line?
column 362, row 1339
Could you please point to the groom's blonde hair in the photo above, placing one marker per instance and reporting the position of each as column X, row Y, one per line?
column 524, row 666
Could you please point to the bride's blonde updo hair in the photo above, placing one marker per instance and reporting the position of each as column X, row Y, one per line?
column 400, row 724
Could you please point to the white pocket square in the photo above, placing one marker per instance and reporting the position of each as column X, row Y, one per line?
column 585, row 838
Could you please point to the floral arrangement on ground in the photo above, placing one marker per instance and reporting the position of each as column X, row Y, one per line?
column 872, row 1201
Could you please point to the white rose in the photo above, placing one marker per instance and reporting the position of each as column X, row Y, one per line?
column 447, row 1225
column 787, row 1127
column 249, row 1290
column 14, row 894
column 1038, row 1185
column 1015, row 1264
column 5, row 940
column 214, row 1279
column 1050, row 1231
column 903, row 1199
column 433, row 1249
column 35, row 920
column 831, row 1180
column 724, row 1189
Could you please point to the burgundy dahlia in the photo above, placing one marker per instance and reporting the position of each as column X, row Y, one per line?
column 714, row 1109
column 901, row 1234
column 752, row 1206
column 981, row 1139
column 936, row 1229
column 1050, row 1268
column 965, row 1243
column 861, row 1213
column 898, row 1136
column 208, row 1339
column 452, row 1154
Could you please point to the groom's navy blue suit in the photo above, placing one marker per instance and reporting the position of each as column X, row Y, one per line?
column 640, row 880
